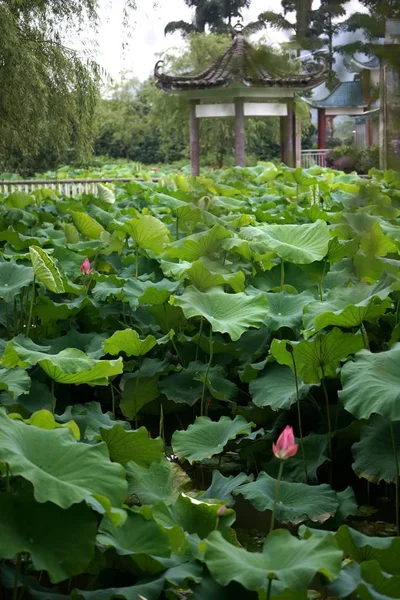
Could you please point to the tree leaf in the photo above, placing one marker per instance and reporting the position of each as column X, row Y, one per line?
column 204, row 437
column 319, row 356
column 297, row 502
column 371, row 384
column 59, row 541
column 291, row 561
column 227, row 313
column 125, row 446
column 45, row 270
column 54, row 475
column 298, row 244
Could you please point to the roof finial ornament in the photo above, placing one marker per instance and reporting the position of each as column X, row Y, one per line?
column 238, row 28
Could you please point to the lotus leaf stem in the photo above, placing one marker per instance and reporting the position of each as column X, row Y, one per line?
column 365, row 336
column 203, row 394
column 269, row 589
column 16, row 577
column 198, row 341
column 328, row 416
column 299, row 417
column 282, row 273
column 396, row 461
column 28, row 325
column 113, row 399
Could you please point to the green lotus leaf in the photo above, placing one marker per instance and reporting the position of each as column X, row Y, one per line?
column 49, row 311
column 297, row 502
column 71, row 233
column 59, row 541
column 161, row 481
column 148, row 233
column 129, row 342
column 206, row 243
column 87, row 226
column 136, row 535
column 90, row 418
column 318, row 357
column 105, row 194
column 137, row 446
column 227, row 313
column 366, row 581
column 184, row 386
column 68, row 366
column 54, row 475
column 204, row 437
column 137, row 392
column 276, row 387
column 15, row 381
column 286, row 310
column 193, row 516
column 138, row 292
column 90, row 343
column 222, row 487
column 46, row 270
column 149, row 590
column 371, row 384
column 373, row 454
column 19, row 200
column 299, row 244
column 348, row 307
column 112, row 287
column 45, row 420
column 13, row 279
column 338, row 250
column 360, row 547
column 203, row 278
column 291, row 561
column 376, row 243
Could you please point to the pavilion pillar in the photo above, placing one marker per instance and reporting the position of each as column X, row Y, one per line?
column 322, row 133
column 194, row 139
column 283, row 126
column 240, row 133
column 290, row 154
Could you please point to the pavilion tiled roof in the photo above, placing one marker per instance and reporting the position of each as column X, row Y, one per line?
column 239, row 63
column 346, row 94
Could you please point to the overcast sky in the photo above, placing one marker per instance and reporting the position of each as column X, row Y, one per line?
column 146, row 29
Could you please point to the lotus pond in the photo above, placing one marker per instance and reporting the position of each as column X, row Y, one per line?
column 156, row 339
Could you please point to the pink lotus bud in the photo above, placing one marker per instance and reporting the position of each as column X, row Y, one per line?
column 222, row 510
column 86, row 268
column 286, row 446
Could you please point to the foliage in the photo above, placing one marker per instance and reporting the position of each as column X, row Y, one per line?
column 348, row 158
column 217, row 311
column 215, row 15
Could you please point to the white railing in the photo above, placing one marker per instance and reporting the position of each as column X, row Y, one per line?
column 310, row 158
column 67, row 187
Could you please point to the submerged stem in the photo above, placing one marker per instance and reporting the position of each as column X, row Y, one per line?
column 203, row 394
column 396, row 460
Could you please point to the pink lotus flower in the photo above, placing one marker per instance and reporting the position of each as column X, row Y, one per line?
column 86, row 267
column 286, row 446
column 222, row 511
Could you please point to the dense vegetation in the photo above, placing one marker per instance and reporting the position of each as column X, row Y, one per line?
column 156, row 338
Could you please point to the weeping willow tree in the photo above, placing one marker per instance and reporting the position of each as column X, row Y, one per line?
column 48, row 91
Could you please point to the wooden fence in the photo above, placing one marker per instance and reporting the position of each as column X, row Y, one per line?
column 67, row 187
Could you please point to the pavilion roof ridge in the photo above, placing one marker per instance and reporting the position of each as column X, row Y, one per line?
column 238, row 63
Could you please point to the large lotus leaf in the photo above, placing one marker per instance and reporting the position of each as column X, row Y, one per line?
column 136, row 535
column 148, row 233
column 348, row 307
column 138, row 292
column 90, row 418
column 90, row 343
column 338, row 250
column 206, row 243
column 184, row 386
column 87, row 226
column 291, row 561
column 299, row 244
column 204, row 437
column 129, row 342
column 203, row 278
column 276, row 387
column 125, row 446
column 105, row 289
column 297, row 502
column 373, row 454
column 137, row 392
column 13, row 279
column 45, row 419
column 319, row 356
column 217, row 384
column 227, row 313
column 148, row 590
column 315, row 450
column 286, row 310
column 376, row 243
column 361, row 547
column 68, row 366
column 49, row 311
column 371, row 384
column 192, row 515
column 15, row 381
column 46, row 270
column 222, row 487
column 161, row 482
column 54, row 475
column 366, row 581
column 59, row 541
column 104, row 194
